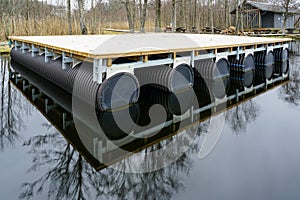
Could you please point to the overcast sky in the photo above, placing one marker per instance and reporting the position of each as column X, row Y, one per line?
column 73, row 3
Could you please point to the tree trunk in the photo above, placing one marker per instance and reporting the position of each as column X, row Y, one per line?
column 242, row 21
column 27, row 10
column 69, row 17
column 180, row 19
column 157, row 15
column 226, row 13
column 211, row 16
column 237, row 17
column 195, row 24
column 130, row 17
column 143, row 16
column 93, row 17
column 81, row 16
column 173, row 16
column 286, row 14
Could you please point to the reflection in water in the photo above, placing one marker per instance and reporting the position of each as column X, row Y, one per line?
column 12, row 108
column 242, row 115
column 70, row 177
column 290, row 92
column 66, row 174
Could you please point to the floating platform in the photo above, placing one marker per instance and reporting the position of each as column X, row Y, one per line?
column 170, row 61
column 95, row 147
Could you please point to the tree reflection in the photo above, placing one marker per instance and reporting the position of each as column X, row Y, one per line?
column 240, row 116
column 69, row 176
column 290, row 92
column 13, row 108
column 68, row 173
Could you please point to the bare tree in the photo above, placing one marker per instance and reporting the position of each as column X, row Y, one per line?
column 287, row 6
column 83, row 27
column 211, row 15
column 130, row 14
column 157, row 15
column 174, row 15
column 227, row 20
column 143, row 11
column 237, row 8
column 69, row 17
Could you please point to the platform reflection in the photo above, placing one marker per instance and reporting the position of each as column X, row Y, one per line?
column 126, row 131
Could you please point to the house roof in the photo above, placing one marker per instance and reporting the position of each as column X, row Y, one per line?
column 271, row 7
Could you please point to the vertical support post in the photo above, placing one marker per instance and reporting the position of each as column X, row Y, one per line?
column 98, row 69
column 238, row 53
column 259, row 19
column 193, row 59
column 192, row 114
column 64, row 121
column 237, row 95
column 98, row 148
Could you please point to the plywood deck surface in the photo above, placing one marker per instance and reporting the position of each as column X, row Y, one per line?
column 139, row 44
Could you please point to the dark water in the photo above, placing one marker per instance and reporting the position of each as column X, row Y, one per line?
column 256, row 156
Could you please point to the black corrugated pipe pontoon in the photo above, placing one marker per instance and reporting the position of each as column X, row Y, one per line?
column 264, row 65
column 215, row 75
column 167, row 78
column 59, row 95
column 64, row 99
column 97, row 94
column 242, row 71
column 174, row 103
column 281, row 61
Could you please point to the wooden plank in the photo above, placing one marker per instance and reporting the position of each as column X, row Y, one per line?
column 112, row 46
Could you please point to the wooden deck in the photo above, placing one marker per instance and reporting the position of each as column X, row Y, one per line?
column 112, row 46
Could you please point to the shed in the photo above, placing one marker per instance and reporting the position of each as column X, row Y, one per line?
column 266, row 15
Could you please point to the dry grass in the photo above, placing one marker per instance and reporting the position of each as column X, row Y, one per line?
column 59, row 26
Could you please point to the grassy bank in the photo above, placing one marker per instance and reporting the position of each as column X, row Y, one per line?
column 4, row 48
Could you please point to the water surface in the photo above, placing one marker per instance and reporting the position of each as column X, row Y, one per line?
column 256, row 157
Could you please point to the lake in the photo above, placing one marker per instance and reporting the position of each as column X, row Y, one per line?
column 256, row 155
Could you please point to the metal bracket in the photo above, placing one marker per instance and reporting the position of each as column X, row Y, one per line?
column 56, row 56
column 47, row 106
column 34, row 50
column 48, row 55
column 66, row 60
column 17, row 44
column 270, row 48
column 114, row 69
column 182, row 117
column 205, row 56
column 24, row 47
column 248, row 90
column 65, row 122
column 182, row 60
column 222, row 55
column 76, row 62
column 33, row 95
column 249, row 52
column 24, row 85
column 285, row 46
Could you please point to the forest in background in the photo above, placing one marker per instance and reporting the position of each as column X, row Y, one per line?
column 40, row 17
